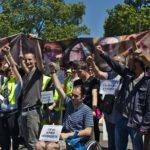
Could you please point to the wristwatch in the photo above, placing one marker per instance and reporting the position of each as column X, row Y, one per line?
column 76, row 133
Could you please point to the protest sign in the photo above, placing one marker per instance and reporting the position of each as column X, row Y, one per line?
column 108, row 87
column 50, row 133
column 47, row 97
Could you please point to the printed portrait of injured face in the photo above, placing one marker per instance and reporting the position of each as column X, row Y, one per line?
column 142, row 43
column 111, row 45
column 52, row 52
column 76, row 53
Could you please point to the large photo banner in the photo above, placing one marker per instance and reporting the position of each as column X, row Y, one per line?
column 120, row 45
column 64, row 52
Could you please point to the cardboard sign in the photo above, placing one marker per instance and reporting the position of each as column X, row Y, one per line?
column 108, row 87
column 47, row 97
column 50, row 133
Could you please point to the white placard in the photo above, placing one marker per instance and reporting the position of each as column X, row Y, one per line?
column 108, row 86
column 47, row 97
column 50, row 133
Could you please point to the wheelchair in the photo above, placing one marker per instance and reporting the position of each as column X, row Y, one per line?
column 93, row 145
column 75, row 144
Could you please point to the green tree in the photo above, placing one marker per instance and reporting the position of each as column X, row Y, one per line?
column 137, row 3
column 127, row 19
column 49, row 19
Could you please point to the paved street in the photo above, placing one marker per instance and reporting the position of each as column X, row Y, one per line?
column 104, row 143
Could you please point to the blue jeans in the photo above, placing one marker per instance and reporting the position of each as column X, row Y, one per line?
column 121, row 135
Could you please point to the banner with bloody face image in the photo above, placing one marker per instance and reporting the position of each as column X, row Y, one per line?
column 70, row 50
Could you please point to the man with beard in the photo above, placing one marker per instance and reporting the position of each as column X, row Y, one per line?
column 132, row 101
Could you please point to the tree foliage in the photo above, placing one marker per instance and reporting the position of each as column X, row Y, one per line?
column 49, row 19
column 137, row 3
column 127, row 19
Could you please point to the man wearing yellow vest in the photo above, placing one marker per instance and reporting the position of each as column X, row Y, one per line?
column 11, row 90
column 52, row 110
column 52, row 52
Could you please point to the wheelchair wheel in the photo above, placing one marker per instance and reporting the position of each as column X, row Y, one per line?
column 93, row 145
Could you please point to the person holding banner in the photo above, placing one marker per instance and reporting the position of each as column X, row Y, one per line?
column 52, row 52
column 30, row 103
column 10, row 90
column 31, row 97
column 110, row 81
column 78, row 118
column 132, row 101
column 91, row 85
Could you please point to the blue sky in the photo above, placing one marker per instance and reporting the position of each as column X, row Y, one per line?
column 95, row 14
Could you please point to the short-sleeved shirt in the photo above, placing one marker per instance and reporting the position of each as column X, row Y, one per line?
column 32, row 87
column 76, row 119
column 90, row 84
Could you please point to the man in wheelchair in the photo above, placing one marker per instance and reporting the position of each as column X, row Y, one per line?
column 77, row 120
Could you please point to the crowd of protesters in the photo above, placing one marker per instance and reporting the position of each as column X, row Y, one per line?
column 78, row 99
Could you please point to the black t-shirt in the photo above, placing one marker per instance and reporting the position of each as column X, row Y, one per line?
column 90, row 84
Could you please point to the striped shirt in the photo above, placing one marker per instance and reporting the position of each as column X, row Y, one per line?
column 76, row 119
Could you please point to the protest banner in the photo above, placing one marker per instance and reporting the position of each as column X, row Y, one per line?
column 63, row 52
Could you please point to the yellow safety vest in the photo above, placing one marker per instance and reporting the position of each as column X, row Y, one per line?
column 46, row 80
column 10, row 85
column 56, row 95
column 68, row 86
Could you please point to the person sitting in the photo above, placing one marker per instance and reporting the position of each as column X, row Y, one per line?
column 78, row 118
